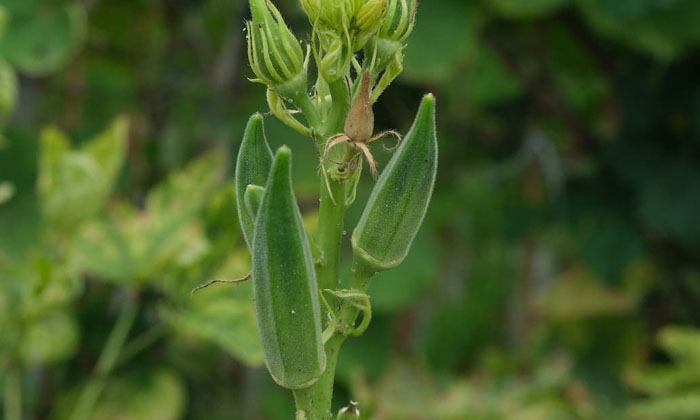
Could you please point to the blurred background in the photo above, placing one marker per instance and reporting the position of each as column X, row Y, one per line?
column 557, row 275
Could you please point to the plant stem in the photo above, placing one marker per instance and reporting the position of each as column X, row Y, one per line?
column 339, row 111
column 332, row 207
column 13, row 393
column 330, row 233
column 107, row 361
column 140, row 343
column 316, row 401
column 313, row 117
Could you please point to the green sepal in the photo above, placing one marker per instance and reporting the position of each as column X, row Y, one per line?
column 252, row 199
column 399, row 201
column 284, row 284
column 252, row 167
column 343, row 324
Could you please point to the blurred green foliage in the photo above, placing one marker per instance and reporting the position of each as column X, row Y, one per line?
column 563, row 236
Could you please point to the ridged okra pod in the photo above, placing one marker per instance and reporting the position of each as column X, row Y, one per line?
column 252, row 167
column 284, row 284
column 399, row 200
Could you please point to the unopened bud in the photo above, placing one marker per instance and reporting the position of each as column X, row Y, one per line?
column 353, row 21
column 368, row 20
column 397, row 25
column 274, row 53
column 312, row 8
column 369, row 16
column 399, row 20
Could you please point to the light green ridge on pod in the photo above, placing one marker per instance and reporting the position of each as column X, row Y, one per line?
column 284, row 284
column 252, row 198
column 399, row 200
column 252, row 167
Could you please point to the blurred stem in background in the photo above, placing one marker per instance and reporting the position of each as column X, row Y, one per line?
column 108, row 359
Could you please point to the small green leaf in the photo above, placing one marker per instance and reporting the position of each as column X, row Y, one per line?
column 75, row 184
column 135, row 245
column 42, row 37
column 50, row 339
column 284, row 284
column 252, row 167
column 399, row 201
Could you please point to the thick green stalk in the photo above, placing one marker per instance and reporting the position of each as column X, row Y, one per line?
column 332, row 206
column 330, row 233
column 107, row 361
column 339, row 110
column 13, row 393
column 313, row 117
column 316, row 401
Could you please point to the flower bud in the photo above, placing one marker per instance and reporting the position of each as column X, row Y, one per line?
column 274, row 53
column 399, row 200
column 284, row 284
column 351, row 21
column 312, row 8
column 398, row 23
column 368, row 19
column 370, row 15
column 399, row 20
column 252, row 167
column 331, row 14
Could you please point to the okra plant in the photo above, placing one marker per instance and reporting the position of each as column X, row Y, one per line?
column 303, row 316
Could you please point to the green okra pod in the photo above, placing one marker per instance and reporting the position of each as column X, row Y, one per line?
column 252, row 167
column 284, row 284
column 252, row 199
column 399, row 201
